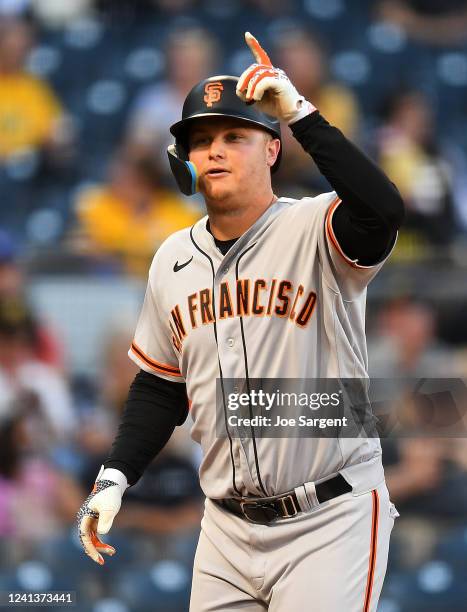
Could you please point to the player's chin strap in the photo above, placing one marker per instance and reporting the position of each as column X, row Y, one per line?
column 184, row 171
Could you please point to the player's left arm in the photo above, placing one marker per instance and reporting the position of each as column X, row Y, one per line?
column 371, row 211
column 365, row 222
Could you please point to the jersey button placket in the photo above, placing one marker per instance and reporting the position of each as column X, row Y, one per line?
column 230, row 363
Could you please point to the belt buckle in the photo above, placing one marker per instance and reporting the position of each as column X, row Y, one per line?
column 282, row 501
column 251, row 504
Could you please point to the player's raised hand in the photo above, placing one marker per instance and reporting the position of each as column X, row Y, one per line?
column 270, row 88
column 97, row 513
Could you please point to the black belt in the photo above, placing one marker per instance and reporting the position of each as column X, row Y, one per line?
column 264, row 510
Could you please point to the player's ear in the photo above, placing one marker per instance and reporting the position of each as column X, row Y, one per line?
column 272, row 151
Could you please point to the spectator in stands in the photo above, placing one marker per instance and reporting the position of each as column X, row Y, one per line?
column 129, row 10
column 412, row 157
column 404, row 342
column 174, row 6
column 430, row 21
column 302, row 56
column 11, row 277
column 55, row 14
column 130, row 216
column 22, row 372
column 99, row 424
column 420, row 467
column 427, row 480
column 190, row 56
column 12, row 287
column 118, row 371
column 31, row 116
column 28, row 480
column 270, row 8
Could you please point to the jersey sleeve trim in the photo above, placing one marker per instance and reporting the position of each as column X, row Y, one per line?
column 162, row 368
column 333, row 239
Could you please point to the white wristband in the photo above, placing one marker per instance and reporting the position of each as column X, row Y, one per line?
column 306, row 109
column 115, row 476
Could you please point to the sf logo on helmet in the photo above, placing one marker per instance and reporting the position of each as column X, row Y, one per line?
column 213, row 92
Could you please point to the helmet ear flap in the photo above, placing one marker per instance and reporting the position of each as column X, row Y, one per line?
column 181, row 150
column 184, row 171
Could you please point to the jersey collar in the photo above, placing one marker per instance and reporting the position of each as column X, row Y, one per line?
column 205, row 239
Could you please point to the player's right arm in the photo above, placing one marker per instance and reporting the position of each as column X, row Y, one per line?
column 157, row 402
column 154, row 408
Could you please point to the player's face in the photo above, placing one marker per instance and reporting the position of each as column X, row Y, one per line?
column 232, row 158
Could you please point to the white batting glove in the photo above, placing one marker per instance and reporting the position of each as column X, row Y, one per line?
column 270, row 88
column 97, row 513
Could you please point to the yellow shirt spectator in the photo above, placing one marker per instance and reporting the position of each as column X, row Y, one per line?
column 29, row 113
column 115, row 227
column 339, row 107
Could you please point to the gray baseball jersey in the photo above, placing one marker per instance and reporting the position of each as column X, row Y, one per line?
column 284, row 302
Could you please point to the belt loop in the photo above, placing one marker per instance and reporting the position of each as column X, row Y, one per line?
column 302, row 499
column 311, row 494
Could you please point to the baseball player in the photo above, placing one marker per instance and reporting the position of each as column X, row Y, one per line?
column 262, row 287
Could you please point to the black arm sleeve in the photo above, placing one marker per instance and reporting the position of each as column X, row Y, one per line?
column 153, row 409
column 372, row 210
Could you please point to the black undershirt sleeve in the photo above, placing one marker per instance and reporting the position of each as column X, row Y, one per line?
column 154, row 408
column 372, row 210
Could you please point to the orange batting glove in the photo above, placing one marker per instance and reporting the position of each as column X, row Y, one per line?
column 270, row 88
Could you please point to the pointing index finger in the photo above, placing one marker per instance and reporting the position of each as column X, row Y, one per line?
column 260, row 54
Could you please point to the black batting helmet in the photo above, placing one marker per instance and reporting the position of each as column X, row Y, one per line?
column 213, row 97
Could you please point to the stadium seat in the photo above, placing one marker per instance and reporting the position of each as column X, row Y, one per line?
column 164, row 587
column 453, row 548
column 435, row 587
column 36, row 575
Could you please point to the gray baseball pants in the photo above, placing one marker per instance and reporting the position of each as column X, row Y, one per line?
column 332, row 558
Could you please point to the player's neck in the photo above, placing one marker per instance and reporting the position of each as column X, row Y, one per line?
column 233, row 221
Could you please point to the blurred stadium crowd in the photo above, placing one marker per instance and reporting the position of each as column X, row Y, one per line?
column 88, row 89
